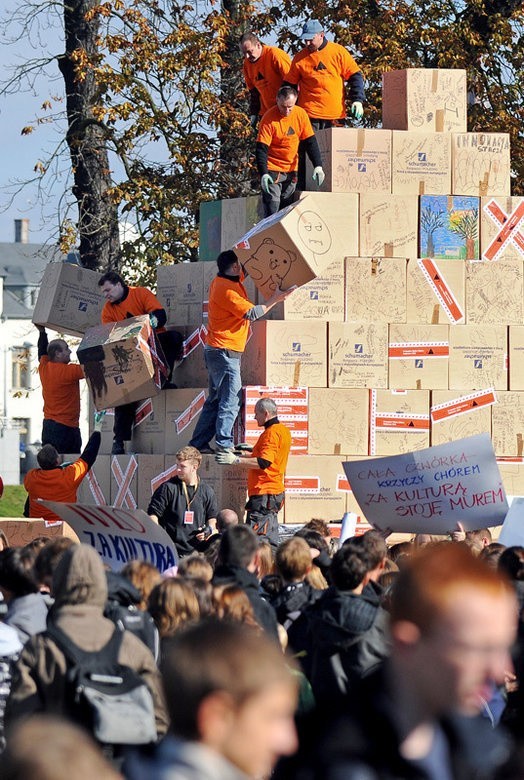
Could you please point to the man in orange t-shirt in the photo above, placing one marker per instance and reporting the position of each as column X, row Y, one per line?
column 264, row 68
column 60, row 381
column 281, row 130
column 266, row 468
column 229, row 314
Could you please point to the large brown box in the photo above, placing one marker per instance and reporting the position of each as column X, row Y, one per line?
column 182, row 410
column 388, row 225
column 95, row 488
column 229, row 484
column 149, row 468
column 501, row 228
column 375, row 289
column 418, row 357
column 338, row 421
column 495, row 292
column 508, row 424
column 481, row 164
column 516, row 357
column 424, row 99
column 478, row 357
column 22, row 530
column 421, row 163
column 357, row 354
column 435, row 291
column 312, row 488
column 512, row 473
column 354, row 160
column 120, row 362
column 148, row 436
column 399, row 421
column 286, row 353
column 222, row 222
column 69, row 299
column 192, row 372
column 124, row 480
column 321, row 299
column 455, row 416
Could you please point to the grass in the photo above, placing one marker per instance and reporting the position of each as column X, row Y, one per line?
column 12, row 501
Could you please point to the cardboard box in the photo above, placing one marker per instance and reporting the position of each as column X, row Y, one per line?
column 398, row 421
column 435, row 291
column 294, row 245
column 120, row 362
column 388, row 225
column 480, row 163
column 124, row 480
column 478, row 357
column 223, row 222
column 421, row 163
column 516, row 357
column 148, row 436
column 69, row 299
column 293, row 409
column 455, row 416
column 449, row 227
column 287, row 354
column 209, row 230
column 501, row 228
column 338, row 421
column 149, row 469
column 354, row 160
column 375, row 289
column 229, row 484
column 20, row 530
column 418, row 357
column 183, row 407
column 95, row 488
column 495, row 292
column 361, row 525
column 424, row 99
column 508, row 424
column 192, row 371
column 311, row 489
column 357, row 354
column 321, row 299
column 512, row 473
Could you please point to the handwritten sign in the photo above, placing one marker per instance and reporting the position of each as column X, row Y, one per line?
column 119, row 535
column 430, row 490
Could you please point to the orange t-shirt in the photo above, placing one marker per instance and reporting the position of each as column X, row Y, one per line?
column 61, row 391
column 273, row 444
column 282, row 135
column 267, row 74
column 58, row 484
column 320, row 76
column 228, row 303
column 139, row 300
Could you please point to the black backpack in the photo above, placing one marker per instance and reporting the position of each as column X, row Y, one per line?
column 108, row 699
column 121, row 609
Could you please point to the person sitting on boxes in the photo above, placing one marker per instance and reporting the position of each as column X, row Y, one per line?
column 185, row 506
column 123, row 302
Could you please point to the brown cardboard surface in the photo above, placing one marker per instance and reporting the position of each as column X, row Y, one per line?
column 357, row 354
column 148, row 434
column 388, row 225
column 292, row 408
column 508, row 424
column 500, row 228
column 20, row 530
column 478, row 357
column 338, row 421
column 192, row 371
column 418, row 357
column 456, row 416
column 69, row 299
column 311, row 489
column 183, row 407
column 149, row 467
column 286, row 353
column 124, row 471
column 435, row 291
column 512, row 473
column 321, row 299
column 495, row 292
column 421, row 163
column 480, row 164
column 375, row 289
column 228, row 482
column 399, row 421
column 118, row 362
column 95, row 488
column 516, row 357
column 354, row 160
column 421, row 99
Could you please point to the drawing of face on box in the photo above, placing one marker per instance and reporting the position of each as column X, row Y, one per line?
column 269, row 265
column 314, row 233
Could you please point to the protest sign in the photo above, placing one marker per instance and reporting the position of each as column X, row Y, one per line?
column 430, row 490
column 512, row 532
column 119, row 535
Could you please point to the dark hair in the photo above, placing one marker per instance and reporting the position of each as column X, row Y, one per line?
column 349, row 567
column 14, row 576
column 48, row 557
column 225, row 260
column 287, row 91
column 47, row 457
column 373, row 543
column 113, row 277
column 314, row 539
column 237, row 546
column 511, row 562
column 54, row 347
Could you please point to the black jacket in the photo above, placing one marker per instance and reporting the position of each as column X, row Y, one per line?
column 292, row 600
column 264, row 612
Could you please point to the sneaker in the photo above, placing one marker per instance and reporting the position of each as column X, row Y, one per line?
column 207, row 450
column 219, row 448
column 118, row 447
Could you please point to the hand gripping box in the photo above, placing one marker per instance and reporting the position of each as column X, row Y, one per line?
column 69, row 299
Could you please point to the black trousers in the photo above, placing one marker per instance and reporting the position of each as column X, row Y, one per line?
column 64, row 438
column 317, row 124
column 262, row 515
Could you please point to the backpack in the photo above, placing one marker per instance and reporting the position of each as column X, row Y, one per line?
column 121, row 609
column 108, row 699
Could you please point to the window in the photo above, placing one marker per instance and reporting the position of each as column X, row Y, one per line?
column 20, row 368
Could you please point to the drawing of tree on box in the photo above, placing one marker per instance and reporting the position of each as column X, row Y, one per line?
column 449, row 227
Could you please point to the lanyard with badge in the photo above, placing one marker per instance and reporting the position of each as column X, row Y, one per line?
column 189, row 515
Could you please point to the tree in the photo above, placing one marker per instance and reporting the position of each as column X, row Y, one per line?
column 430, row 221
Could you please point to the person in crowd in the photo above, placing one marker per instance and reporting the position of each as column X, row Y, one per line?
column 124, row 301
column 47, row 560
column 374, row 544
column 293, row 563
column 491, row 554
column 185, row 506
column 319, row 576
column 282, row 129
column 26, row 607
column 265, row 67
column 10, row 647
column 232, row 603
column 231, row 698
column 53, row 481
column 476, row 539
column 195, row 566
column 237, row 564
column 229, row 315
column 144, row 576
column 60, row 380
column 172, row 604
column 266, row 468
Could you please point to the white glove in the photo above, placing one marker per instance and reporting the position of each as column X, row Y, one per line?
column 357, row 109
column 318, row 176
column 227, row 458
column 265, row 182
column 153, row 321
column 99, row 420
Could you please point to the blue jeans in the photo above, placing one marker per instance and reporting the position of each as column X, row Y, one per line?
column 223, row 402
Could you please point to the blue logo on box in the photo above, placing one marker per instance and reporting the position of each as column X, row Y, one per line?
column 297, row 346
column 419, row 363
column 313, row 295
column 477, row 363
column 189, row 287
column 82, row 306
column 359, row 349
column 361, row 167
column 422, row 157
column 119, row 380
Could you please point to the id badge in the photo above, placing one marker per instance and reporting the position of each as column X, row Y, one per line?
column 189, row 517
